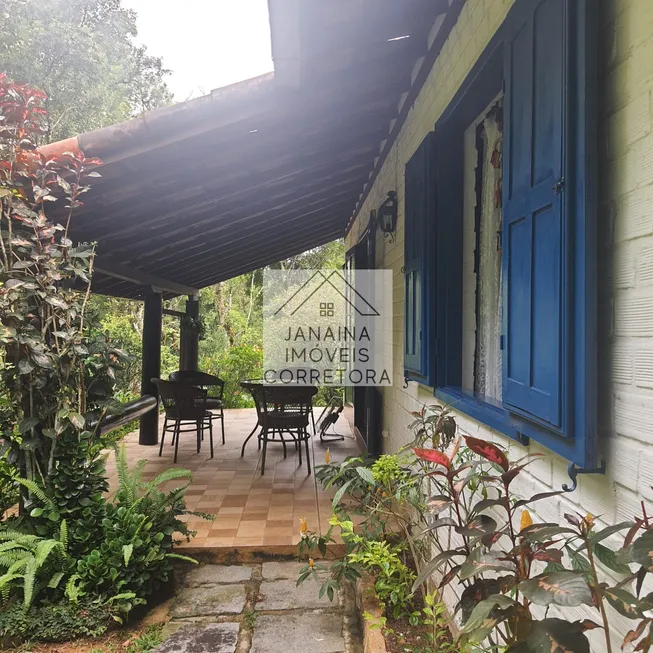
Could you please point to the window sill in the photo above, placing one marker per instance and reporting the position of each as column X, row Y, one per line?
column 487, row 411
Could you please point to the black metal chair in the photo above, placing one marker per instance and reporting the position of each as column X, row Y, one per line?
column 214, row 387
column 301, row 376
column 185, row 411
column 282, row 409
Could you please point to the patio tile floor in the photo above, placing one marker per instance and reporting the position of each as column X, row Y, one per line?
column 251, row 510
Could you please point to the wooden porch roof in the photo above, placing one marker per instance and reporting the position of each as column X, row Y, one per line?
column 210, row 188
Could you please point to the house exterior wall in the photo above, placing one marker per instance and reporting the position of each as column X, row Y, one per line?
column 625, row 261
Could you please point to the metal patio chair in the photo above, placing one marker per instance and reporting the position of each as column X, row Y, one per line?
column 282, row 409
column 214, row 387
column 185, row 412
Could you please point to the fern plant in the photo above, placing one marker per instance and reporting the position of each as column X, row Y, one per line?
column 163, row 508
column 32, row 564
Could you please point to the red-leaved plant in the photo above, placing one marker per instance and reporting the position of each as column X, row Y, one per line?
column 455, row 500
column 509, row 567
column 45, row 285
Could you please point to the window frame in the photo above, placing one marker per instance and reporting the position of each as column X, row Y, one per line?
column 578, row 440
column 419, row 231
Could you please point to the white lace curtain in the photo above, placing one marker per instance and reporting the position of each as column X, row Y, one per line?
column 488, row 368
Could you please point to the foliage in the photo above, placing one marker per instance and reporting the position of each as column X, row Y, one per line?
column 372, row 545
column 74, row 492
column 32, row 564
column 120, row 322
column 70, row 542
column 42, row 315
column 161, row 507
column 238, row 363
column 472, row 529
column 194, row 326
column 146, row 641
column 434, row 615
column 82, row 53
column 130, row 561
column 393, row 579
column 57, row 622
column 9, row 493
column 122, row 548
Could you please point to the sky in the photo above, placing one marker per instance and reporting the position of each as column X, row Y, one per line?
column 206, row 43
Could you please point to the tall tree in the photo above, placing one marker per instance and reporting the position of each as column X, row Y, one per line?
column 82, row 54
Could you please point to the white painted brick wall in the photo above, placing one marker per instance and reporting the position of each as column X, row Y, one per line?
column 626, row 218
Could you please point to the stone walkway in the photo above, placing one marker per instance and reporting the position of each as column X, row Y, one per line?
column 257, row 608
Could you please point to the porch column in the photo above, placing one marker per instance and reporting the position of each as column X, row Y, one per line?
column 151, row 368
column 190, row 340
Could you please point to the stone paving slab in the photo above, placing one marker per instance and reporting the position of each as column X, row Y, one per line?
column 218, row 575
column 298, row 633
column 286, row 595
column 215, row 638
column 209, row 600
column 282, row 570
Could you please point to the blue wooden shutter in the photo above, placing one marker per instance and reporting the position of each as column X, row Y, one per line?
column 534, row 237
column 419, row 225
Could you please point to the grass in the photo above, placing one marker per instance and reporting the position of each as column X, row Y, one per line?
column 147, row 641
column 142, row 641
column 249, row 619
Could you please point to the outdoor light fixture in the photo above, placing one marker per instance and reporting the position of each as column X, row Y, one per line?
column 387, row 215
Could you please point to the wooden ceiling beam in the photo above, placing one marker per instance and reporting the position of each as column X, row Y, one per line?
column 275, row 208
column 316, row 240
column 196, row 213
column 233, row 230
column 264, row 239
column 141, row 278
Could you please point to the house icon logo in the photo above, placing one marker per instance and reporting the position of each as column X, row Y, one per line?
column 327, row 282
column 329, row 325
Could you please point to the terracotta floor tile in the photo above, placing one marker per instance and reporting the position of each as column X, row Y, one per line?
column 222, row 532
column 248, row 531
column 230, row 510
column 279, row 523
column 250, row 509
column 216, row 542
column 247, row 541
column 276, row 530
column 235, row 501
column 258, row 500
column 275, row 540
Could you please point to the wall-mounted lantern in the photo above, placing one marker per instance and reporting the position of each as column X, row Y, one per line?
column 387, row 215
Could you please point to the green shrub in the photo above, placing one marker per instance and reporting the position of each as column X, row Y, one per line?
column 58, row 622
column 393, row 580
column 32, row 565
column 134, row 559
column 119, row 551
column 328, row 393
column 236, row 364
column 162, row 508
column 75, row 492
column 130, row 559
column 9, row 493
column 146, row 641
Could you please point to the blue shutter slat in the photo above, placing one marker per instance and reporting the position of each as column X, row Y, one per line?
column 419, row 215
column 533, row 215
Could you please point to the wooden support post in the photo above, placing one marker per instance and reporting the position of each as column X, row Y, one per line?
column 190, row 341
column 151, row 369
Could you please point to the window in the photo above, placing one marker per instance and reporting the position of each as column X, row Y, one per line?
column 514, row 245
column 482, row 276
column 419, row 220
